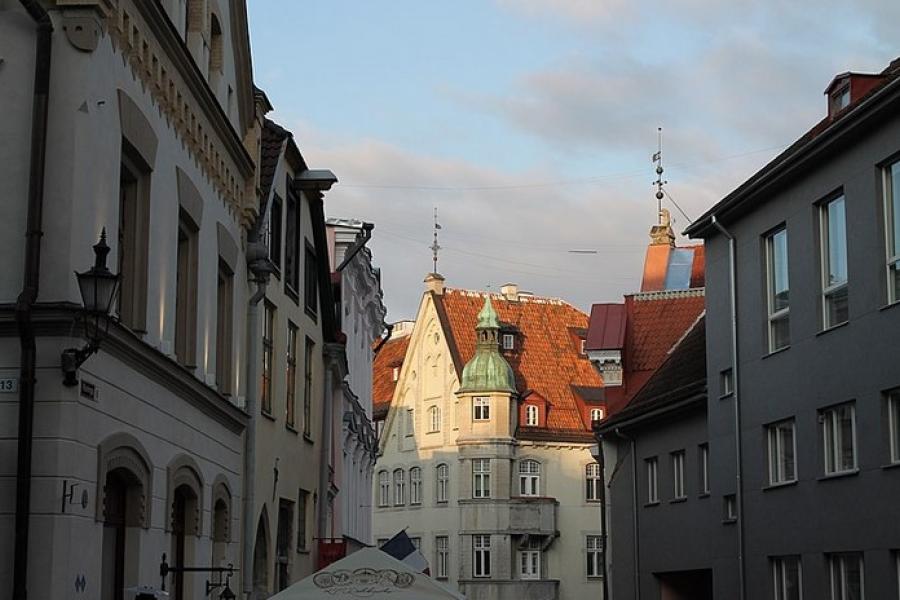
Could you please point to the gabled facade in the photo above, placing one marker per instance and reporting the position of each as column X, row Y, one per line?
column 487, row 437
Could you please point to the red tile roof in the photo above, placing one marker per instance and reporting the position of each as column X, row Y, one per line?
column 655, row 322
column 391, row 355
column 607, row 327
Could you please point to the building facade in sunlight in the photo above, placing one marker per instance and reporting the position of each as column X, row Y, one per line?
column 485, row 452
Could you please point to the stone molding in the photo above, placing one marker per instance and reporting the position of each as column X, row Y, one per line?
column 123, row 451
column 183, row 470
column 221, row 492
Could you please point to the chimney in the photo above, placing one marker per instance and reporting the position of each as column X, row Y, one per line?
column 434, row 283
column 662, row 234
column 510, row 291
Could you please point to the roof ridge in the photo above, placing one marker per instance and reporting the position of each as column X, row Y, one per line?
column 669, row 294
column 524, row 297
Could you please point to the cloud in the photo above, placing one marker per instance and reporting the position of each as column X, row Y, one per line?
column 579, row 11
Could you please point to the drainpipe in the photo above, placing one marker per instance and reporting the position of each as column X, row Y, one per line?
column 601, row 460
column 327, row 434
column 634, row 512
column 739, row 479
column 28, row 296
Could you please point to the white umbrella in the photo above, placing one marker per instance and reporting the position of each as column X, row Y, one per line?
column 368, row 573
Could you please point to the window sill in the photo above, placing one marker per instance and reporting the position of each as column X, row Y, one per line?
column 890, row 305
column 894, row 465
column 268, row 415
column 726, row 396
column 649, row 504
column 678, row 500
column 833, row 327
column 307, row 438
column 291, row 428
column 774, row 352
column 290, row 293
column 703, row 495
column 729, row 521
column 311, row 314
column 782, row 484
column 839, row 475
column 303, row 550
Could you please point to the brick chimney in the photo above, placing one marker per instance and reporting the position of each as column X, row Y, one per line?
column 510, row 291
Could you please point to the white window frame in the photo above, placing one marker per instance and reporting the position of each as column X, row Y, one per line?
column 443, row 482
column 892, row 246
column 832, row 439
column 704, row 469
column 831, row 289
column 415, row 485
column 481, row 478
column 531, row 415
column 529, row 477
column 481, row 408
column 776, row 445
column 783, row 313
column 780, row 577
column 597, row 414
column 509, row 341
column 530, row 560
column 893, row 406
column 434, row 419
column 678, row 475
column 652, row 468
column 593, row 545
column 399, row 479
column 395, row 373
column 593, row 483
column 837, row 568
column 441, row 556
column 481, row 555
column 384, row 488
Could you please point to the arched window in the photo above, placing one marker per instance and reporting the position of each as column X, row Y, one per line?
column 593, row 483
column 529, row 478
column 434, row 419
column 399, row 487
column 596, row 415
column 221, row 520
column 415, row 485
column 443, row 482
column 531, row 415
column 215, row 45
column 384, row 488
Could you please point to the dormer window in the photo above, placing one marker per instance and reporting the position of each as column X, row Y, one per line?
column 581, row 346
column 597, row 415
column 531, row 415
column 395, row 373
column 509, row 341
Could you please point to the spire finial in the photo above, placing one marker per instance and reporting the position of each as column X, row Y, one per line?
column 659, row 183
column 435, row 247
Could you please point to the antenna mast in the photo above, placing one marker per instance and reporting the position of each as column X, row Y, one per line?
column 435, row 247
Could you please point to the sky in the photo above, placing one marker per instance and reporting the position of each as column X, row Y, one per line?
column 530, row 124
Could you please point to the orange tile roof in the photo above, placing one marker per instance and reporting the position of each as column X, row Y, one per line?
column 391, row 355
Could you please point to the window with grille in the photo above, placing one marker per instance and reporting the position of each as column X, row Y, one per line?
column 399, row 487
column 529, row 477
column 415, row 485
column 434, row 419
column 786, row 573
column 593, row 483
column 531, row 415
column 384, row 488
column 443, row 482
column 442, row 556
column 481, row 478
column 847, row 576
column 530, row 560
column 594, row 552
column 596, row 415
column 481, row 408
column 481, row 556
column 509, row 341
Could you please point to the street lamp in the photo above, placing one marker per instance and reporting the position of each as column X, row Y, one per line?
column 98, row 287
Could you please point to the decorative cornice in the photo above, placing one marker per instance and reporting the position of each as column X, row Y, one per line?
column 670, row 294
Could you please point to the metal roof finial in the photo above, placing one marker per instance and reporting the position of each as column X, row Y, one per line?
column 435, row 247
column 659, row 183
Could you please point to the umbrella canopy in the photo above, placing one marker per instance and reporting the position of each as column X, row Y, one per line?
column 368, row 573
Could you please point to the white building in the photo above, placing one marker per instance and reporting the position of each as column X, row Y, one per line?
column 150, row 134
column 485, row 454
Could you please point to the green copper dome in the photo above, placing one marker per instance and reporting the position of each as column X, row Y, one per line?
column 488, row 371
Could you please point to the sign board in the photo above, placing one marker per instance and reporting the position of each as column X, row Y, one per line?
column 9, row 385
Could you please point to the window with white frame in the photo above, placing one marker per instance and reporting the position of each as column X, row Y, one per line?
column 529, row 477
column 441, row 556
column 593, row 483
column 847, row 576
column 530, row 559
column 778, row 289
column 729, row 508
column 399, row 487
column 384, row 488
column 415, row 485
column 594, row 552
column 531, row 415
column 481, row 478
column 395, row 373
column 596, row 415
column 787, row 577
column 833, row 235
column 481, row 408
column 892, row 228
column 434, row 419
column 678, row 474
column 652, row 481
column 509, row 341
column 410, row 422
column 481, row 556
column 893, row 406
column 782, row 452
column 839, row 438
column 726, row 382
column 443, row 483
column 704, row 469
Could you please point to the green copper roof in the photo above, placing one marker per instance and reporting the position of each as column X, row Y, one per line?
column 488, row 371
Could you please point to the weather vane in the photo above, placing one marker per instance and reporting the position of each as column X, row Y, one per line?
column 435, row 247
column 659, row 183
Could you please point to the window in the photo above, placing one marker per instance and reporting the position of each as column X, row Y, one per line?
column 215, row 47
column 292, row 246
column 282, row 543
column 678, row 474
column 531, row 415
column 384, row 488
column 834, row 262
column 786, row 573
column 509, row 341
column 311, row 280
column 729, row 506
column 652, row 489
column 291, row 377
column 839, row 436
column 410, row 422
column 726, row 382
column 782, row 452
column 443, row 483
column 307, row 386
column 704, row 469
column 441, row 556
column 268, row 344
column 529, row 477
column 134, row 219
column 481, row 408
column 596, row 415
column 434, row 419
column 275, row 232
column 593, row 483
column 581, row 346
column 530, row 559
column 395, row 373
column 481, row 556
column 224, row 300
column 594, row 551
column 302, row 500
column 481, row 478
column 415, row 485
column 186, row 292
column 416, row 542
column 892, row 228
column 778, row 289
column 893, row 406
column 399, row 487
column 847, row 579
